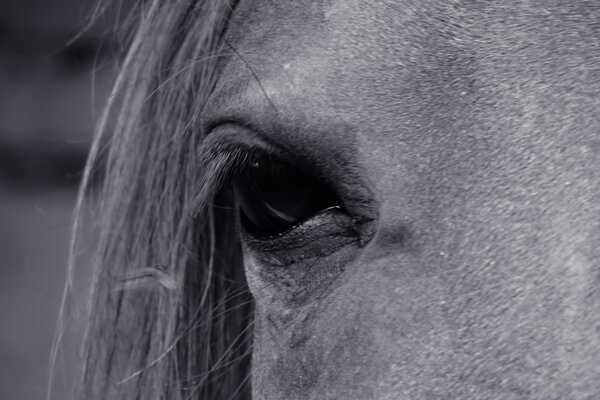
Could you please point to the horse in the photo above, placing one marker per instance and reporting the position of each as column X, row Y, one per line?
column 344, row 199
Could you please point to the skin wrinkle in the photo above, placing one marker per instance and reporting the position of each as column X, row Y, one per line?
column 465, row 121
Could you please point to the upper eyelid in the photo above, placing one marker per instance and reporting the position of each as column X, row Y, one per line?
column 230, row 134
column 230, row 142
column 241, row 141
column 221, row 155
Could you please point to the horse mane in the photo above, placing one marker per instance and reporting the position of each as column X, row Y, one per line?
column 170, row 314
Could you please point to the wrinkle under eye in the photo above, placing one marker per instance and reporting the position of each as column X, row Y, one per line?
column 274, row 196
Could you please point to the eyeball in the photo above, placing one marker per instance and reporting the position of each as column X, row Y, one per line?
column 274, row 196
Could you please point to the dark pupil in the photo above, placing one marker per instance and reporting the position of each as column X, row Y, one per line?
column 274, row 196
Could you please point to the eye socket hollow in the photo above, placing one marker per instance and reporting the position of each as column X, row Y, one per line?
column 275, row 196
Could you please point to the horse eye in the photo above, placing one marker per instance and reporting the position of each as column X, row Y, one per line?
column 274, row 196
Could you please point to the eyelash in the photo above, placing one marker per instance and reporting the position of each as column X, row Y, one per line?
column 230, row 149
column 232, row 163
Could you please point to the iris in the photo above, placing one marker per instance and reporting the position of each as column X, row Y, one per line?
column 274, row 195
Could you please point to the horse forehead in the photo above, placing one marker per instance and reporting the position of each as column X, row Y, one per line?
column 346, row 50
column 342, row 58
column 349, row 31
column 390, row 25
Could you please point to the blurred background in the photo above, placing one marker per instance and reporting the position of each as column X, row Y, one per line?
column 55, row 77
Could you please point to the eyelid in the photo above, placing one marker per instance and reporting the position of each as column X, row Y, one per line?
column 325, row 233
column 229, row 145
column 226, row 151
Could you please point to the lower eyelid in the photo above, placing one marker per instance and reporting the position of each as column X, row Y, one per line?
column 324, row 234
column 297, row 275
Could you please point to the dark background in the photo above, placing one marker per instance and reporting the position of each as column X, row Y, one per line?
column 55, row 77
